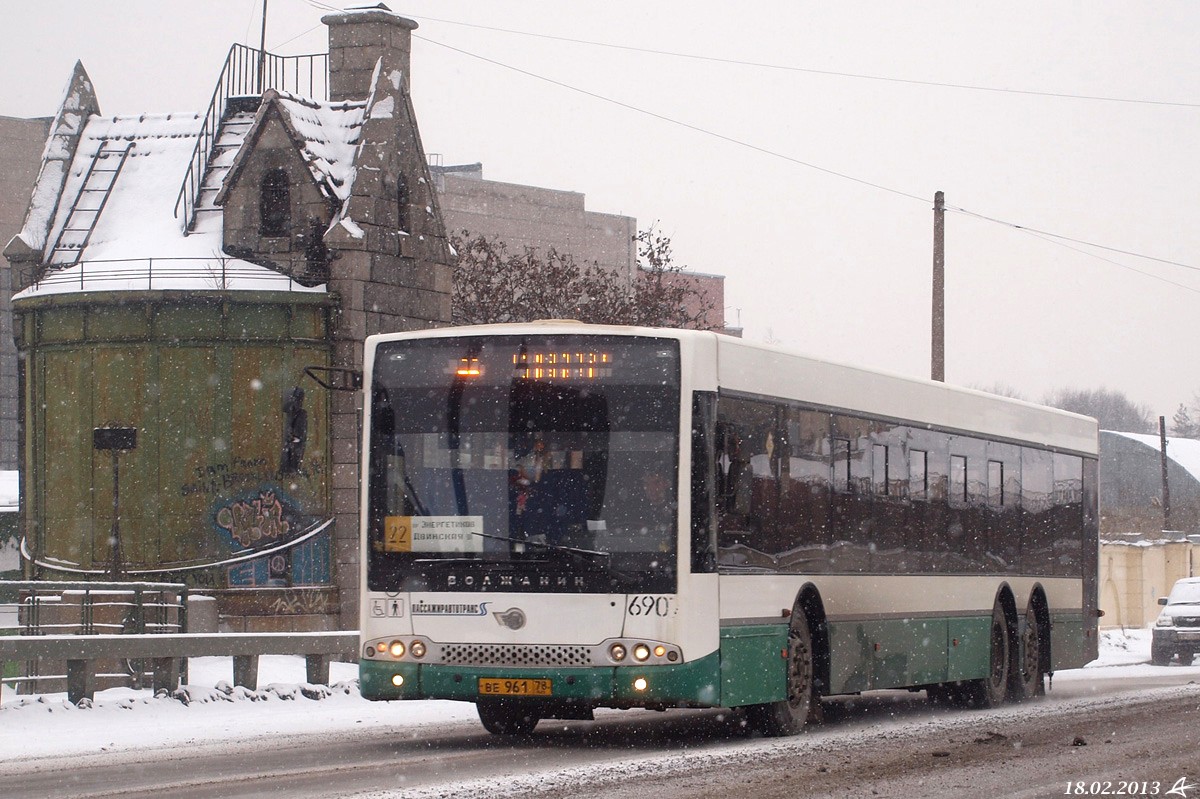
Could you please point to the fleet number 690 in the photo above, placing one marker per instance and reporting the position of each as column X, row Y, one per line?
column 650, row 606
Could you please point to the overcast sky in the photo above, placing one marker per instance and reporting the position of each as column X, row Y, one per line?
column 810, row 191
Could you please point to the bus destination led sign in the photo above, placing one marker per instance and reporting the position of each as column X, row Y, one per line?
column 560, row 365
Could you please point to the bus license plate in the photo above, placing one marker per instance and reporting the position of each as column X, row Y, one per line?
column 489, row 686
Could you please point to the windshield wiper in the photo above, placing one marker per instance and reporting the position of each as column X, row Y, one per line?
column 589, row 556
column 588, row 553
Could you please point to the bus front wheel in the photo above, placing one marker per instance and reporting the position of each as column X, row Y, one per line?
column 508, row 718
column 802, row 705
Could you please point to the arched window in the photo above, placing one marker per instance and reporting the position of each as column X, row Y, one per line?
column 402, row 203
column 274, row 204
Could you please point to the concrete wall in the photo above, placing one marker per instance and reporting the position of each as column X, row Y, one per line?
column 530, row 216
column 1134, row 575
column 21, row 144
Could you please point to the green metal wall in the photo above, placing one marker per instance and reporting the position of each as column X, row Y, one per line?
column 203, row 378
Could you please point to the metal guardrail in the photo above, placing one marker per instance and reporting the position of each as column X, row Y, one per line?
column 124, row 607
column 143, row 623
column 164, row 652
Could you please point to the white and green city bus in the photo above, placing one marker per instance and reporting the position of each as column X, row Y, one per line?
column 560, row 517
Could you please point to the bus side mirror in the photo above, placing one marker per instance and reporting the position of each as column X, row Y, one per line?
column 1162, row 600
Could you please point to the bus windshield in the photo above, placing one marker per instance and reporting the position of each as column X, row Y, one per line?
column 524, row 463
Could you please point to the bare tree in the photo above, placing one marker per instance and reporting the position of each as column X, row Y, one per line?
column 1183, row 424
column 1111, row 408
column 492, row 285
column 1000, row 389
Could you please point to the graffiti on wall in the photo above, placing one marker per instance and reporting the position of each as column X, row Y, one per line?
column 249, row 522
column 301, row 602
column 217, row 478
column 265, row 519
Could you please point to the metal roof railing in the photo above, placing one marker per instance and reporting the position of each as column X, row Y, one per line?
column 247, row 71
column 144, row 274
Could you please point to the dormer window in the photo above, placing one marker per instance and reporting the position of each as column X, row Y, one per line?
column 402, row 203
column 275, row 204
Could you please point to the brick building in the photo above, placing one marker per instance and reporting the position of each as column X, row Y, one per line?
column 21, row 145
column 306, row 221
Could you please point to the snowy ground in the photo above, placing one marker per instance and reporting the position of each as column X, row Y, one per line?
column 216, row 714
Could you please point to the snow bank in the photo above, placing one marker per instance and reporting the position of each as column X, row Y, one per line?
column 210, row 712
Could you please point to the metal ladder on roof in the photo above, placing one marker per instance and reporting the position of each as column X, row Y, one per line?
column 88, row 204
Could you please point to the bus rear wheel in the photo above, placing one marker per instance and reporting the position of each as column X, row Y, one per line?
column 993, row 689
column 1030, row 678
column 802, row 705
column 508, row 718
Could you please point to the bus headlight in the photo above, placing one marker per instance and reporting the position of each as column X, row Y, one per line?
column 417, row 649
column 627, row 651
column 640, row 684
column 397, row 649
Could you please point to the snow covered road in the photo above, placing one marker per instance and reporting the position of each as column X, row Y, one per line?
column 279, row 742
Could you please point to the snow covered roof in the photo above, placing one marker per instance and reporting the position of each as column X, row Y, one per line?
column 137, row 242
column 1184, row 451
column 326, row 136
column 8, row 491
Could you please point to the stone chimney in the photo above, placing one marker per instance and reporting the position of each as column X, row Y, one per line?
column 359, row 37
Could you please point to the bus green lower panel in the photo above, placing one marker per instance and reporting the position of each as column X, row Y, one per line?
column 874, row 654
column 753, row 669
column 375, row 680
column 969, row 648
column 687, row 684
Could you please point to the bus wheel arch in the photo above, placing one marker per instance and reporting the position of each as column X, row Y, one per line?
column 807, row 670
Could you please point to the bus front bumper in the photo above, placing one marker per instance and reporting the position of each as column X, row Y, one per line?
column 693, row 684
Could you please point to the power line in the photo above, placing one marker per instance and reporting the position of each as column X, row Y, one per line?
column 1048, row 234
column 1051, row 239
column 810, row 165
column 811, row 71
column 673, row 121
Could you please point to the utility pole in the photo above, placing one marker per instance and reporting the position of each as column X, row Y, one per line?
column 262, row 50
column 1166, row 485
column 938, row 367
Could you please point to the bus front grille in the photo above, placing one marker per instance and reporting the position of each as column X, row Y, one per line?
column 515, row 655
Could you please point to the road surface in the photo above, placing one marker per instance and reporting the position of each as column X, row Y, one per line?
column 1084, row 737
